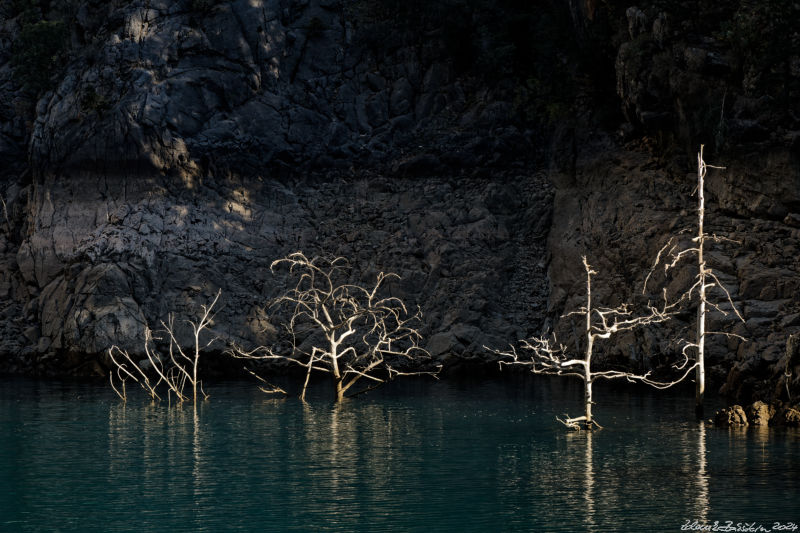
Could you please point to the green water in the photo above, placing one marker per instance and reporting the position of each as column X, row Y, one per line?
column 416, row 456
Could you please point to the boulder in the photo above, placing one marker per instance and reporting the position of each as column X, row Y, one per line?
column 788, row 417
column 733, row 416
column 760, row 413
column 441, row 344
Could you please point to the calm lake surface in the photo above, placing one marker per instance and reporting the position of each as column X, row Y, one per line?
column 415, row 456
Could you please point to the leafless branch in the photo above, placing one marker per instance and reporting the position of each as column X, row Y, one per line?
column 172, row 370
column 705, row 280
column 547, row 356
column 364, row 336
column 267, row 387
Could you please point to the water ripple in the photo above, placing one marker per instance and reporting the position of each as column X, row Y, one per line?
column 427, row 457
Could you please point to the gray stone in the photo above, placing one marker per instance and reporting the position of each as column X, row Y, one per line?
column 402, row 97
column 637, row 21
column 441, row 344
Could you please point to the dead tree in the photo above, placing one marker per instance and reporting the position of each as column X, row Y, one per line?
column 350, row 332
column 173, row 369
column 547, row 356
column 671, row 255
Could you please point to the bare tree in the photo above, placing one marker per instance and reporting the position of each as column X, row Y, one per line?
column 348, row 331
column 547, row 356
column 671, row 255
column 172, row 369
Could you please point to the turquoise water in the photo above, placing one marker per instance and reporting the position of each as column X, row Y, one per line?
column 415, row 456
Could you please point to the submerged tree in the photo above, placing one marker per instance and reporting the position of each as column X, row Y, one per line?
column 350, row 332
column 671, row 255
column 172, row 369
column 547, row 356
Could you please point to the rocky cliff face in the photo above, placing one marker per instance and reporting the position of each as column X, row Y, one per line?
column 183, row 146
column 187, row 146
column 685, row 78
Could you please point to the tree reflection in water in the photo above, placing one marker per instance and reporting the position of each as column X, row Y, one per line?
column 172, row 458
column 584, row 439
column 447, row 461
column 702, row 474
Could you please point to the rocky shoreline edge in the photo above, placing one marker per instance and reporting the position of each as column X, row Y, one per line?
column 759, row 414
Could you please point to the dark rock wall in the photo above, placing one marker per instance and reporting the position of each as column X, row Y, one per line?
column 187, row 146
column 102, row 263
column 687, row 74
column 476, row 148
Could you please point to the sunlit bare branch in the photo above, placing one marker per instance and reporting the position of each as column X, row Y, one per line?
column 705, row 280
column 173, row 369
column 547, row 356
column 365, row 337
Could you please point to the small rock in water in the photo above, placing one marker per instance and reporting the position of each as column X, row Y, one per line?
column 760, row 413
column 730, row 417
column 789, row 416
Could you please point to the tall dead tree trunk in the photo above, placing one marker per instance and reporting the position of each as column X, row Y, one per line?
column 700, row 372
column 587, row 368
column 672, row 253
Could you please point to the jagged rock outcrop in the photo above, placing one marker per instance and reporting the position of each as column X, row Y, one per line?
column 788, row 416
